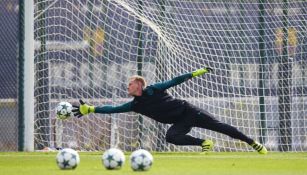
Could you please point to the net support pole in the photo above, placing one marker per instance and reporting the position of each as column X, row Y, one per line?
column 92, row 50
column 161, row 75
column 284, row 89
column 26, row 77
column 42, row 82
column 261, row 89
column 139, row 27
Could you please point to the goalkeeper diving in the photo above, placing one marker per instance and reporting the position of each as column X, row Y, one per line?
column 154, row 102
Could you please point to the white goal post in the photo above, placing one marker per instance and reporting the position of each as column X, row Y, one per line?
column 28, row 88
column 87, row 49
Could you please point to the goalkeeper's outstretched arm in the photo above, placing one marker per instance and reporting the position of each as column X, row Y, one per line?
column 84, row 109
column 180, row 79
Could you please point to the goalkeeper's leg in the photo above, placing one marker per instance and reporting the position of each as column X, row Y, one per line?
column 205, row 120
column 177, row 134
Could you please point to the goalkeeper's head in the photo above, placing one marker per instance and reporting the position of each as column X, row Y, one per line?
column 136, row 85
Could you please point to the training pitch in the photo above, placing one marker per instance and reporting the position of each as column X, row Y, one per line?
column 249, row 163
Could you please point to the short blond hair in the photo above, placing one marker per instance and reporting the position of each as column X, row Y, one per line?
column 139, row 79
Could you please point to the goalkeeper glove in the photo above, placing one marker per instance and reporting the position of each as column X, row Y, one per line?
column 201, row 71
column 83, row 109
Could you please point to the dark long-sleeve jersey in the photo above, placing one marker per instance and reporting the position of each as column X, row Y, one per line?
column 154, row 102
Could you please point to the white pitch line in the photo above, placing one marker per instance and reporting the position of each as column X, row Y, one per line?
column 231, row 157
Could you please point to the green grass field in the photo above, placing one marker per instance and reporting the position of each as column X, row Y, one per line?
column 164, row 164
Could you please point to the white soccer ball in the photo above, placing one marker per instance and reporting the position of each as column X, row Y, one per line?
column 141, row 160
column 67, row 159
column 113, row 159
column 63, row 110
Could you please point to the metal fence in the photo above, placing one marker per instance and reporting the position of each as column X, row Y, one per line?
column 8, row 75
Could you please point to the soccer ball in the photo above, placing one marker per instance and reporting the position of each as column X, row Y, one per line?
column 141, row 160
column 64, row 110
column 67, row 159
column 113, row 159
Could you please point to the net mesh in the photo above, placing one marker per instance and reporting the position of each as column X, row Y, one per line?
column 87, row 49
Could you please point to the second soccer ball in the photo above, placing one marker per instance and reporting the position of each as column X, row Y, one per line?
column 113, row 159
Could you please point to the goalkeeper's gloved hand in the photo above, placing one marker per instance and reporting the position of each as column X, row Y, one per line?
column 82, row 109
column 201, row 71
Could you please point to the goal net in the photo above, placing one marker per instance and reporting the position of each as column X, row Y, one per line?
column 87, row 49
